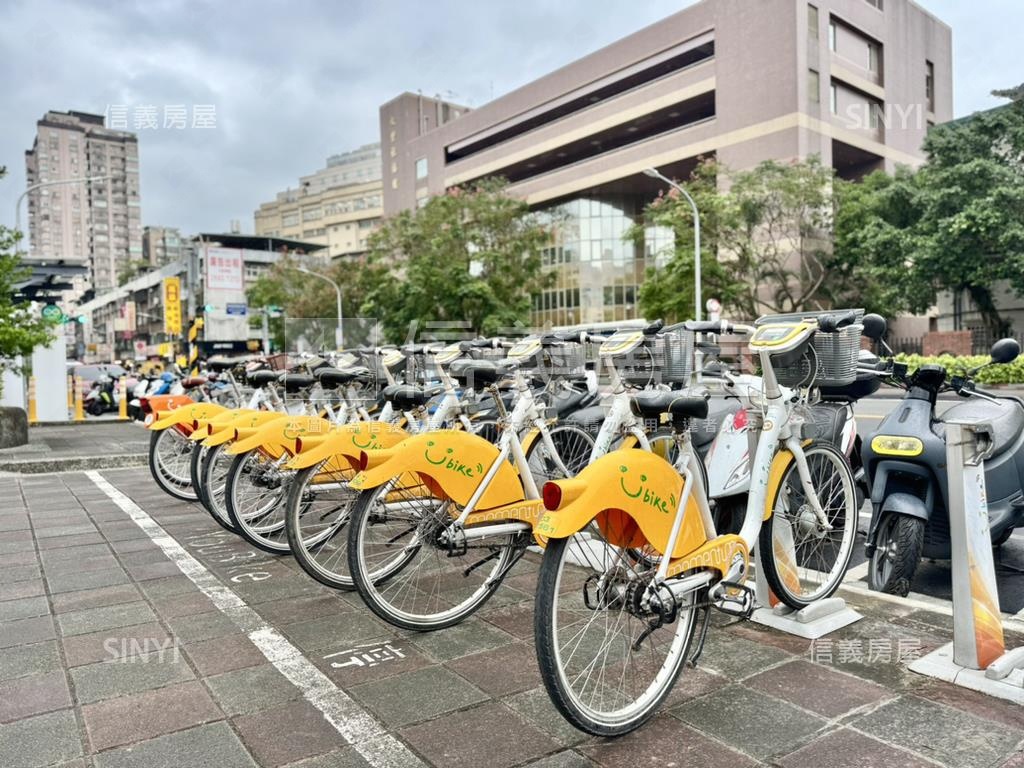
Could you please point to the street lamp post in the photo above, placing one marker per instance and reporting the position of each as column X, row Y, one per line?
column 655, row 174
column 339, row 333
column 54, row 183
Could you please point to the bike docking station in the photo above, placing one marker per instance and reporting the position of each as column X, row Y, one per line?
column 977, row 658
column 816, row 620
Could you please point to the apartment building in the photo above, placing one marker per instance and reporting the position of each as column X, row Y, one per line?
column 162, row 245
column 337, row 207
column 95, row 223
column 856, row 82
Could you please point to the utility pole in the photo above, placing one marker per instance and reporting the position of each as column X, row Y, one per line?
column 699, row 305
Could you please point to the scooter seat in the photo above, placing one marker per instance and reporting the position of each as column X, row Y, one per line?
column 296, row 382
column 336, row 377
column 193, row 381
column 262, row 378
column 654, row 403
column 568, row 401
column 703, row 431
column 1006, row 416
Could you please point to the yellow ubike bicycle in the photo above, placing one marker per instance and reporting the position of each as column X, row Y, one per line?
column 617, row 611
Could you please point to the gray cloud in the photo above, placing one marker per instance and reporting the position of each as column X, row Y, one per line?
column 294, row 82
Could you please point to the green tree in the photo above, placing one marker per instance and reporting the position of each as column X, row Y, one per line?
column 971, row 197
column 471, row 255
column 20, row 330
column 765, row 240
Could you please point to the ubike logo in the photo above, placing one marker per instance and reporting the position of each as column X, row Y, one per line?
column 452, row 464
column 371, row 443
column 646, row 495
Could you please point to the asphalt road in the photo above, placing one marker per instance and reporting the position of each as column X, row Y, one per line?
column 933, row 577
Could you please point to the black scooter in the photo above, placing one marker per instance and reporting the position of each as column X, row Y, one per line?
column 905, row 459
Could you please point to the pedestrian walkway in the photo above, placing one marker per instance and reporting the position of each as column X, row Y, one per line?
column 88, row 445
column 136, row 632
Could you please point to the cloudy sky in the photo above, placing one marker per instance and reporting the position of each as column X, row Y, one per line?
column 294, row 81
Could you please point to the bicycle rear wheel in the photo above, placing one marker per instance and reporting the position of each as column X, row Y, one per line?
column 607, row 659
column 804, row 561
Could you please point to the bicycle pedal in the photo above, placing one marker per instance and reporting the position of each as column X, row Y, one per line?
column 741, row 605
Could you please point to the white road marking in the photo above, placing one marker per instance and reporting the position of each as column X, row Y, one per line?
column 368, row 736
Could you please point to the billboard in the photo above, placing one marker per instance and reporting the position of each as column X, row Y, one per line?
column 225, row 291
column 172, row 306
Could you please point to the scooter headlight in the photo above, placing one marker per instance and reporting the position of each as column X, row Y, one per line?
column 888, row 445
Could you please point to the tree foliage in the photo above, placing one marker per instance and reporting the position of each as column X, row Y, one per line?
column 471, row 255
column 764, row 240
column 956, row 224
column 21, row 330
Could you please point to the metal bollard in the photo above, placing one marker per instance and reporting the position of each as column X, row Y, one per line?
column 32, row 419
column 79, row 408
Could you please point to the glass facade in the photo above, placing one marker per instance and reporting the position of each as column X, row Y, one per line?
column 597, row 270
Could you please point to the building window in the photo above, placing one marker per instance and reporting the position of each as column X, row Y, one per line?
column 832, row 35
column 421, row 168
column 813, row 87
column 812, row 22
column 874, row 58
column 834, row 99
column 929, row 85
column 879, row 4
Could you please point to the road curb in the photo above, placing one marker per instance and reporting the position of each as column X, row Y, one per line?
column 73, row 464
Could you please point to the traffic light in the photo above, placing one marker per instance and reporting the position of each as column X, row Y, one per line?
column 81, row 319
column 208, row 308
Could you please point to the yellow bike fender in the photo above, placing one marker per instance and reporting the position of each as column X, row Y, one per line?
column 718, row 553
column 187, row 416
column 226, row 430
column 456, row 463
column 278, row 436
column 159, row 405
column 350, row 441
column 634, row 496
column 780, row 463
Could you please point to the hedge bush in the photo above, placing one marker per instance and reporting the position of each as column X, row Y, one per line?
column 1011, row 373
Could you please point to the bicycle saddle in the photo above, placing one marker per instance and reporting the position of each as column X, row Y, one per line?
column 193, row 381
column 335, row 377
column 221, row 364
column 655, row 403
column 262, row 378
column 479, row 372
column 296, row 382
column 405, row 397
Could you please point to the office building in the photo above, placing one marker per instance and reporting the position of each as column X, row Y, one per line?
column 90, row 223
column 162, row 245
column 856, row 82
column 337, row 207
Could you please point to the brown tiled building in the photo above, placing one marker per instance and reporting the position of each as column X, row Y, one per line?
column 856, row 82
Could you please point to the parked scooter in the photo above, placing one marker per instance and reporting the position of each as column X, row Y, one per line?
column 103, row 396
column 905, row 459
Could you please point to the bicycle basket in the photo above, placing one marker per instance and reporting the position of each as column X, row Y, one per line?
column 564, row 359
column 830, row 360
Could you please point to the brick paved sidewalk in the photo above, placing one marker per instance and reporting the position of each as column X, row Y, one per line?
column 60, row 447
column 111, row 657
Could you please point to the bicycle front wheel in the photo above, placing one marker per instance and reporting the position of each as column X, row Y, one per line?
column 316, row 518
column 407, row 571
column 170, row 459
column 803, row 559
column 254, row 495
column 606, row 658
column 214, row 471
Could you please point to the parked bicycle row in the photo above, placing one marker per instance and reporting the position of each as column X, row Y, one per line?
column 642, row 478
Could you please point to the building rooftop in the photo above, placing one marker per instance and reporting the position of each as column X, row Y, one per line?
column 258, row 242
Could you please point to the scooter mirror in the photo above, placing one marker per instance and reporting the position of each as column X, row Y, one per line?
column 1005, row 351
column 874, row 326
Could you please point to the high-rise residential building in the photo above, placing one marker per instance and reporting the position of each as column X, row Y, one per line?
column 856, row 82
column 336, row 207
column 161, row 245
column 94, row 223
